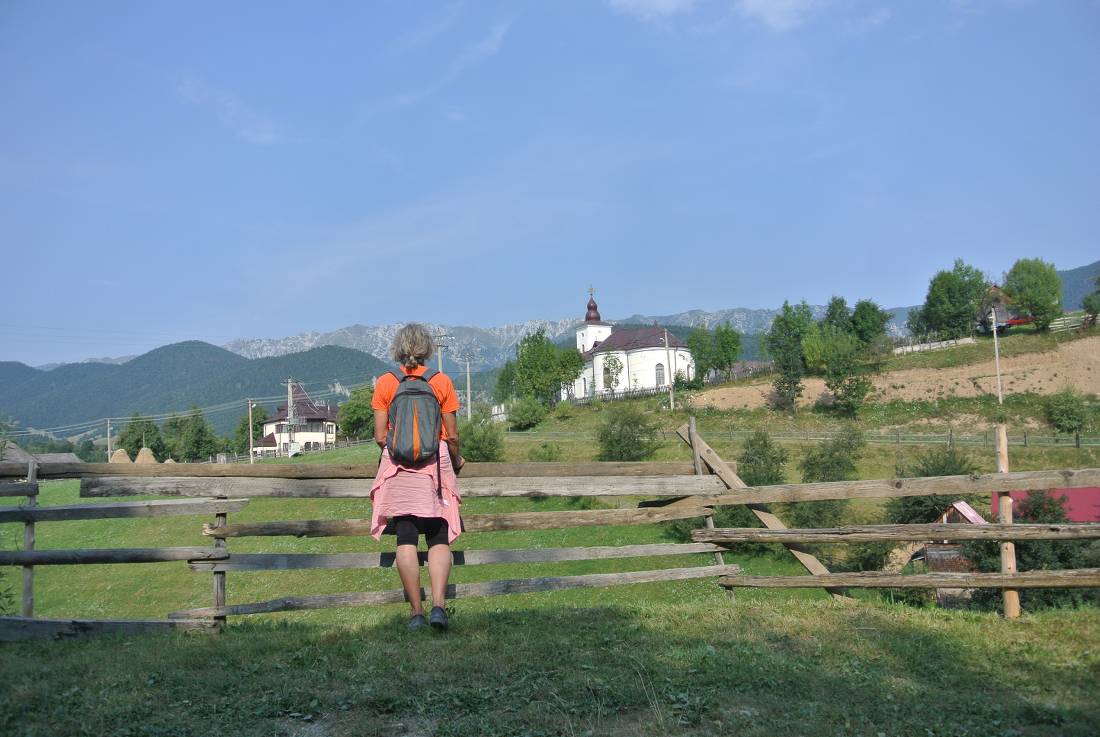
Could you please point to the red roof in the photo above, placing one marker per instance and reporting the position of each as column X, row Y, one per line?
column 1081, row 505
column 305, row 408
column 630, row 339
column 267, row 442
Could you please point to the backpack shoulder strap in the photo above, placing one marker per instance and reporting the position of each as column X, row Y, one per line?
column 429, row 375
column 394, row 375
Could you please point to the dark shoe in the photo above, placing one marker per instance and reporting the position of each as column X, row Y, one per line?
column 418, row 623
column 439, row 618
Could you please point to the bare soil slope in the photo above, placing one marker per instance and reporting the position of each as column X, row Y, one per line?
column 1075, row 364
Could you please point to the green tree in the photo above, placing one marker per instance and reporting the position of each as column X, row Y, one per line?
column 1036, row 290
column 952, row 301
column 701, row 343
column 869, row 322
column 1091, row 303
column 191, row 438
column 727, row 349
column 141, row 432
column 836, row 355
column 505, row 388
column 525, row 413
column 541, row 368
column 544, row 453
column 627, row 434
column 481, row 439
column 762, row 460
column 837, row 315
column 612, row 370
column 356, row 416
column 784, row 344
column 240, row 435
column 944, row 460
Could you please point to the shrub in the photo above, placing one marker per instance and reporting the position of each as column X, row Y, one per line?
column 939, row 461
column 545, row 453
column 832, row 460
column 564, row 410
column 1066, row 411
column 1039, row 506
column 627, row 435
column 482, row 439
column 761, row 461
column 525, row 413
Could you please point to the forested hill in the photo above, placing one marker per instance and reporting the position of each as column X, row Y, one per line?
column 171, row 378
column 1077, row 283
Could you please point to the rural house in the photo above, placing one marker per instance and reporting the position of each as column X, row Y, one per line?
column 308, row 426
column 645, row 360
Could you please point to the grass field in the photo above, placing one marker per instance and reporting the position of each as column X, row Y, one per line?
column 674, row 658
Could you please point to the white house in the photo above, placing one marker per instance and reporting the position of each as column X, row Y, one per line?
column 311, row 426
column 649, row 357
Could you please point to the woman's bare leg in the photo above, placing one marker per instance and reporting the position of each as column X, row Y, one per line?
column 439, row 570
column 408, row 567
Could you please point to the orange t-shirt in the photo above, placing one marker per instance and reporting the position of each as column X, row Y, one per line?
column 386, row 386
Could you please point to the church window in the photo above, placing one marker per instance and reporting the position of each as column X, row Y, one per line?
column 660, row 374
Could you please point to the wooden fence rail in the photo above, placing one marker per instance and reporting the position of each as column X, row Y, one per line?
column 1076, row 578
column 899, row 533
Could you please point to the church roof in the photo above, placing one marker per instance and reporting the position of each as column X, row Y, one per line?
column 305, row 408
column 632, row 339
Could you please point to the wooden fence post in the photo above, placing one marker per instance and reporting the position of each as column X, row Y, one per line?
column 1004, row 516
column 28, row 542
column 220, row 520
column 697, row 463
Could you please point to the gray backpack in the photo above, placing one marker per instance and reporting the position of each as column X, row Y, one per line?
column 415, row 419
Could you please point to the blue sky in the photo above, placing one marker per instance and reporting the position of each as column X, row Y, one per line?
column 172, row 171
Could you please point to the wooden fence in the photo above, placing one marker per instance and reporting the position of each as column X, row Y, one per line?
column 656, row 491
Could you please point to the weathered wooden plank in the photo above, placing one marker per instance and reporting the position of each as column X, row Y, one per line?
column 293, row 561
column 159, row 508
column 27, row 609
column 98, row 486
column 730, row 478
column 105, row 555
column 885, row 533
column 889, row 488
column 461, row 591
column 18, row 488
column 15, row 629
column 1076, row 578
column 342, row 471
column 471, row 523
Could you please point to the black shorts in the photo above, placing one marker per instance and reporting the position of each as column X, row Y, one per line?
column 409, row 528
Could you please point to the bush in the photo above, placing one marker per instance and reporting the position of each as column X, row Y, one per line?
column 525, row 413
column 1039, row 506
column 832, row 460
column 481, row 438
column 545, row 453
column 939, row 461
column 761, row 461
column 1066, row 411
column 564, row 410
column 627, row 435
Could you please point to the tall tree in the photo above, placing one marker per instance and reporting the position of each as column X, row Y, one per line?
column 701, row 344
column 241, row 434
column 541, row 368
column 727, row 348
column 612, row 370
column 837, row 315
column 1036, row 290
column 869, row 322
column 141, row 432
column 784, row 344
column 356, row 416
column 191, row 438
column 952, row 301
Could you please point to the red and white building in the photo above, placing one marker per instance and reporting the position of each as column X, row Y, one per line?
column 310, row 426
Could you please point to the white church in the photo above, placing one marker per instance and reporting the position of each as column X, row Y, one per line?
column 648, row 357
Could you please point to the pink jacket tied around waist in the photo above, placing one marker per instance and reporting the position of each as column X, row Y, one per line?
column 400, row 490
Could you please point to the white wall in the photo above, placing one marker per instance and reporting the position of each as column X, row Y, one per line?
column 639, row 370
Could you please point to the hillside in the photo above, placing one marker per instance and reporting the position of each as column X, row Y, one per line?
column 1077, row 283
column 171, row 378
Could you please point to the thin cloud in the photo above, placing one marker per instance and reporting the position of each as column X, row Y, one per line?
column 246, row 123
column 473, row 55
column 426, row 33
column 649, row 9
column 779, row 15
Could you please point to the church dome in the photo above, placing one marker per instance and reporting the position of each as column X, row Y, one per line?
column 593, row 314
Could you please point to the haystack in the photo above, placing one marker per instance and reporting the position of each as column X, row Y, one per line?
column 120, row 456
column 145, row 456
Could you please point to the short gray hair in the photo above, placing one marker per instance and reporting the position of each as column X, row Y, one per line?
column 412, row 346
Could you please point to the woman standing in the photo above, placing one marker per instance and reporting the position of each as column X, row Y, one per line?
column 415, row 424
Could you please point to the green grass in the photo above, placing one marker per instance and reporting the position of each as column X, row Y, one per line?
column 1015, row 342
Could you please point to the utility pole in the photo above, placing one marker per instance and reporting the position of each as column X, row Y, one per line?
column 469, row 394
column 441, row 344
column 668, row 362
column 108, row 439
column 251, row 455
column 291, row 415
column 1004, row 501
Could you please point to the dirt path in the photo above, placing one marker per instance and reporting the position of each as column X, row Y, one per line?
column 1075, row 364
